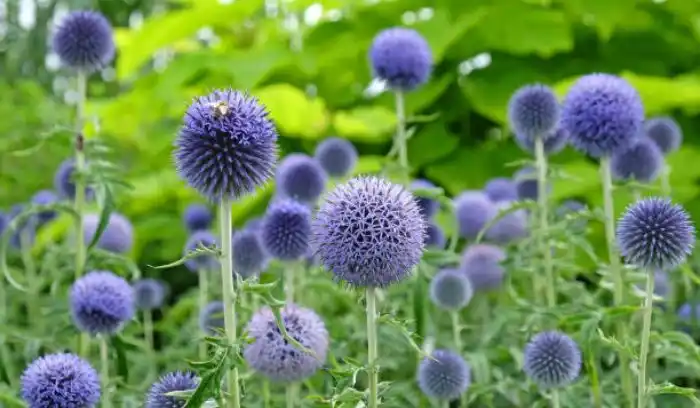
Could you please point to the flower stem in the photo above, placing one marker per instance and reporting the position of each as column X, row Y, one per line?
column 542, row 205
column 644, row 350
column 289, row 273
column 104, row 360
column 666, row 180
column 266, row 393
column 291, row 392
column 229, row 295
column 33, row 309
column 148, row 329
column 372, row 350
column 203, row 278
column 79, row 202
column 400, row 140
column 456, row 331
column 555, row 398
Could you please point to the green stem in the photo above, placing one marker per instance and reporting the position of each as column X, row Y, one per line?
column 203, row 278
column 289, row 273
column 79, row 203
column 291, row 392
column 644, row 350
column 148, row 329
column 592, row 364
column 555, row 398
column 229, row 296
column 32, row 279
column 666, row 180
column 266, row 393
column 543, row 232
column 372, row 350
column 104, row 360
column 456, row 331
column 400, row 139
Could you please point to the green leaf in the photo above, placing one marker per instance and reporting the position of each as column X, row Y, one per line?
column 603, row 14
column 295, row 113
column 365, row 123
column 8, row 400
column 107, row 206
column 121, row 348
column 431, row 143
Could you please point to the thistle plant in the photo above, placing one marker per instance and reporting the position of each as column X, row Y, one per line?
column 444, row 375
column 149, row 294
column 158, row 397
column 451, row 290
column 117, row 237
column 552, row 359
column 60, row 380
column 337, row 156
column 501, row 189
column 300, row 177
column 473, row 210
column 197, row 217
column 667, row 135
column 641, row 162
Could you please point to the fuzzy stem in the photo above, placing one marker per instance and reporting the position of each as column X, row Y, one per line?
column 291, row 394
column 644, row 350
column 104, row 360
column 456, row 331
column 372, row 350
column 555, row 398
column 229, row 295
column 289, row 274
column 545, row 249
column 666, row 180
column 203, row 278
column 400, row 140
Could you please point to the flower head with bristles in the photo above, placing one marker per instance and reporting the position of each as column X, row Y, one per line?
column 533, row 112
column 84, row 40
column 60, row 380
column 444, row 375
column 552, row 359
column 401, row 57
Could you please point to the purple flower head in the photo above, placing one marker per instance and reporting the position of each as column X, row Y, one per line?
column 401, row 57
column 211, row 318
column 553, row 144
column 118, row 237
column 533, row 112
column 481, row 263
column 60, row 380
column 149, row 294
column 249, row 256
column 226, row 146
column 174, row 381
column 369, row 232
column 552, row 359
column 286, row 230
column 337, row 156
column 301, row 177
column 501, row 189
column 101, row 302
column 665, row 132
column 428, row 207
column 63, row 181
column 273, row 356
column 202, row 262
column 254, row 224
column 510, row 227
column 197, row 217
column 526, row 184
column 83, row 40
column 641, row 161
column 653, row 232
column 45, row 197
column 445, row 376
column 450, row 289
column 602, row 113
column 474, row 210
column 434, row 237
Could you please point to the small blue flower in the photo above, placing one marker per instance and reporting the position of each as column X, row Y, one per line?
column 45, row 197
column 509, row 227
column 83, row 40
column 301, row 178
column 63, row 181
column 101, row 303
column 450, row 289
column 665, row 132
column 445, row 375
column 249, row 256
column 117, row 237
column 197, row 217
column 60, row 380
column 527, row 185
column 482, row 264
column 501, row 189
column 286, row 230
column 552, row 359
column 149, row 294
column 205, row 261
column 434, row 237
column 337, row 156
column 211, row 318
column 428, row 206
column 641, row 161
column 474, row 210
column 401, row 57
column 533, row 112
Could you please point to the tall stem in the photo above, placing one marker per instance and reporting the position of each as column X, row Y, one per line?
column 229, row 295
column 644, row 350
column 291, row 394
column 148, row 329
column 79, row 203
column 266, row 393
column 456, row 331
column 104, row 360
column 618, row 275
column 289, row 275
column 203, row 278
column 545, row 248
column 666, row 180
column 555, row 398
column 25, row 243
column 372, row 350
column 400, row 140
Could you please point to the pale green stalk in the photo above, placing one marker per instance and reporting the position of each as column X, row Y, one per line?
column 644, row 350
column 229, row 296
column 148, row 329
column 543, row 213
column 555, row 398
column 291, row 394
column 289, row 273
column 79, row 203
column 400, row 140
column 203, row 288
column 372, row 349
column 456, row 331
column 32, row 277
column 104, row 360
column 666, row 180
column 266, row 393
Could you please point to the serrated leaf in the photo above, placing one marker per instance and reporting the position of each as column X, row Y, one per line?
column 107, row 206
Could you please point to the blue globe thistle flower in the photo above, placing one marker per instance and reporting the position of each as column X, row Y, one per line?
column 552, row 359
column 149, row 294
column 101, row 302
column 202, row 262
column 83, row 40
column 510, row 227
column 337, row 156
column 249, row 256
column 286, row 230
column 434, row 237
column 444, row 376
column 533, row 112
column 226, row 146
column 174, row 381
column 474, row 210
column 481, row 263
column 272, row 356
column 428, row 207
column 197, row 217
column 301, row 177
column 653, row 232
column 526, row 184
column 211, row 318
column 45, row 197
column 450, row 289
column 641, row 161
column 501, row 189
column 60, row 380
column 665, row 132
column 553, row 144
column 401, row 57
column 118, row 236
column 63, row 181
column 602, row 114
column 369, row 232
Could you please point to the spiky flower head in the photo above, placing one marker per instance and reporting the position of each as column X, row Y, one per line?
column 117, row 237
column 273, row 356
column 428, row 206
column 482, row 264
column 445, row 375
column 602, row 113
column 501, row 189
column 249, row 256
column 533, row 112
column 508, row 228
column 211, row 318
column 83, row 40
column 197, row 217
column 173, row 381
column 641, row 161
column 552, row 359
column 450, row 289
column 286, row 230
column 654, row 232
column 337, row 156
column 101, row 302
column 301, row 177
column 60, row 380
column 434, row 237
column 226, row 146
column 474, row 210
column 401, row 57
column 369, row 232
column 149, row 293
column 45, row 197
column 63, row 181
column 553, row 144
column 665, row 132
column 204, row 261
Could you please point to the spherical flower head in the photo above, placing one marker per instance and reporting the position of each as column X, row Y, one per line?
column 337, row 156
column 211, row 318
column 510, row 227
column 602, row 113
column 197, row 217
column 533, row 112
column 481, row 263
column 273, row 356
column 641, row 161
column 553, row 144
column 301, row 177
column 552, row 359
column 401, row 57
column 286, row 230
column 450, row 289
column 527, row 185
column 501, row 189
column 174, row 381
column 201, row 262
column 665, row 132
column 117, row 237
column 249, row 256
column 428, row 206
column 445, row 376
column 101, row 302
column 653, row 232
column 369, row 232
column 83, row 41
column 434, row 237
column 474, row 210
column 63, row 181
column 226, row 146
column 45, row 197
column 149, row 294
column 60, row 380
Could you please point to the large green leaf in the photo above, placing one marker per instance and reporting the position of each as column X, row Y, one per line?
column 365, row 123
column 293, row 111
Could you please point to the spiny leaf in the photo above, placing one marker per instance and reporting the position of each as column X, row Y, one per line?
column 199, row 251
column 210, row 380
column 280, row 324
